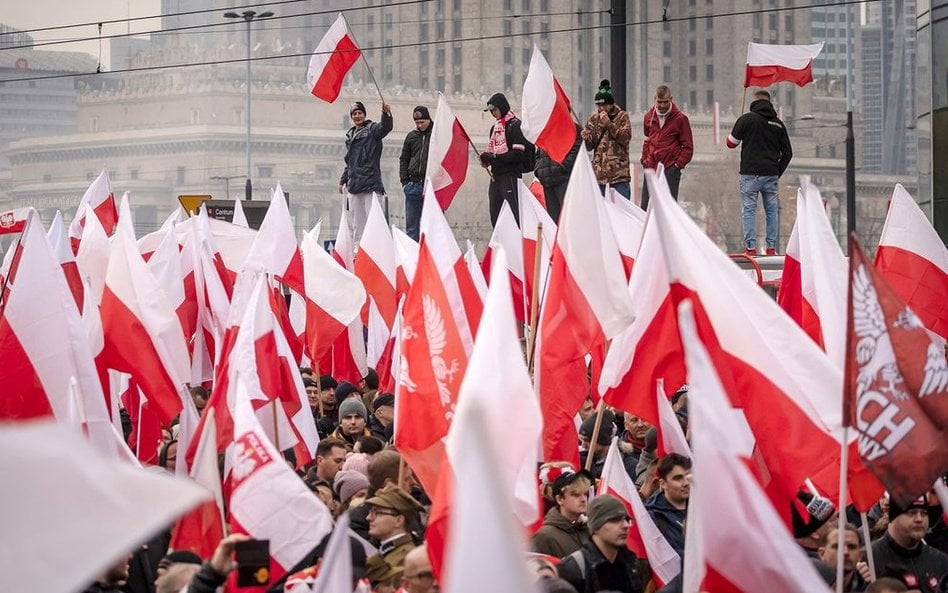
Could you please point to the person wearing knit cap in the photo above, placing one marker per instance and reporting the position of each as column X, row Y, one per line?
column 346, row 390
column 352, row 419
column 411, row 168
column 383, row 413
column 508, row 152
column 325, row 411
column 607, row 430
column 362, row 175
column 350, row 483
column 607, row 563
column 607, row 134
column 902, row 551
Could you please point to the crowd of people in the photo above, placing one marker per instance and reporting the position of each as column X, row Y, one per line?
column 581, row 543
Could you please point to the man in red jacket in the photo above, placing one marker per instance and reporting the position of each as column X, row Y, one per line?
column 667, row 141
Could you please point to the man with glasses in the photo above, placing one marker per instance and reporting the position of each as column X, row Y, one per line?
column 391, row 511
column 411, row 169
column 605, row 563
column 418, row 576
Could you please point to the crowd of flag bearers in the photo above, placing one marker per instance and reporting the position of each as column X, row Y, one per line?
column 602, row 402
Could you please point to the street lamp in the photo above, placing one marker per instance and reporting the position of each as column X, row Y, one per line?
column 226, row 179
column 248, row 16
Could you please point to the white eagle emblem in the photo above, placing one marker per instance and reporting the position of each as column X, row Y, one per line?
column 437, row 340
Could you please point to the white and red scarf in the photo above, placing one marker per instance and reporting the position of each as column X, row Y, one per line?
column 498, row 137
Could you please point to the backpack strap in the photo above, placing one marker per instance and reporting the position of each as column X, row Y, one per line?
column 577, row 557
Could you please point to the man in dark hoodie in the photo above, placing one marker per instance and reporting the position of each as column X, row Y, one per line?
column 411, row 169
column 765, row 155
column 669, row 506
column 362, row 175
column 667, row 141
column 505, row 157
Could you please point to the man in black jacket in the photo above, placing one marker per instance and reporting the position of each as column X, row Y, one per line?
column 554, row 176
column 362, row 175
column 411, row 168
column 765, row 155
column 505, row 157
column 903, row 553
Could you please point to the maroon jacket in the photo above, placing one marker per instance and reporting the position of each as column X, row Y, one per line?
column 670, row 144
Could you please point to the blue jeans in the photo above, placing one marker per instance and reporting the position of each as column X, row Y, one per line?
column 623, row 188
column 414, row 198
column 766, row 186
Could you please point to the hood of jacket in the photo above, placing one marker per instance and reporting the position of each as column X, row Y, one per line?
column 764, row 108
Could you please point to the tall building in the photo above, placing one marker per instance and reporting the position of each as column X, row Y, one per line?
column 888, row 97
column 932, row 123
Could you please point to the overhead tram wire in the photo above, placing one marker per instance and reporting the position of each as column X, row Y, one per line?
column 437, row 42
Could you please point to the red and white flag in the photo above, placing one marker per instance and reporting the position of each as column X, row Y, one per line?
column 474, row 267
column 100, row 199
column 334, row 296
column 724, row 491
column 628, row 226
column 13, row 221
column 406, row 259
column 671, row 436
column 201, row 529
column 44, row 346
column 587, row 302
column 496, row 385
column 92, row 259
column 275, row 249
column 644, row 537
column 333, row 58
column 375, row 265
column 534, row 221
column 432, row 364
column 59, row 241
column 348, row 351
column 896, row 386
column 268, row 501
column 914, row 260
column 507, row 235
column 768, row 64
column 821, row 302
column 546, row 116
column 142, row 333
column 448, row 155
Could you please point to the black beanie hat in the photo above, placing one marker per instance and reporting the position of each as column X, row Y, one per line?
column 604, row 96
column 357, row 106
column 421, row 112
column 499, row 101
column 607, row 429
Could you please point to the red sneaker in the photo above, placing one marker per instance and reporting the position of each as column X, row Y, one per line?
column 771, row 251
column 750, row 252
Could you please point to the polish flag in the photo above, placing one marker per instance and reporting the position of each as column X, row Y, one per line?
column 789, row 390
column 477, row 273
column 268, row 501
column 507, row 235
column 447, row 155
column 334, row 56
column 201, row 529
column 645, row 540
column 536, row 188
column 92, row 259
column 462, row 294
column 913, row 258
column 377, row 336
column 546, row 115
column 535, row 221
column 587, row 302
column 671, row 437
column 375, row 265
column 44, row 346
column 59, row 241
column 348, row 351
column 432, row 364
column 497, row 386
column 165, row 266
column 406, row 259
column 724, row 491
column 768, row 64
column 13, row 221
column 145, row 438
column 628, row 226
column 100, row 199
column 334, row 296
column 821, row 301
column 274, row 248
column 142, row 333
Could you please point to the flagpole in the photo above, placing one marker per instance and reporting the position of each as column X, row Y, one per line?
column 319, row 395
column 364, row 60
column 744, row 99
column 276, row 431
column 138, row 436
column 535, row 297
column 841, row 509
column 866, row 539
column 600, row 410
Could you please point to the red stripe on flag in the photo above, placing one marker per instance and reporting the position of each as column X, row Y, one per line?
column 378, row 286
column 455, row 163
column 329, row 84
column 559, row 133
column 767, row 75
column 107, row 214
column 921, row 284
column 23, row 395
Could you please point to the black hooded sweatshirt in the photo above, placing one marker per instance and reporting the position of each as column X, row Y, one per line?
column 765, row 144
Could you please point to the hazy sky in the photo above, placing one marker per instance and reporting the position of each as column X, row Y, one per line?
column 35, row 14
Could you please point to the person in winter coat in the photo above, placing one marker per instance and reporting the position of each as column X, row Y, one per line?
column 564, row 526
column 667, row 141
column 607, row 134
column 505, row 157
column 765, row 155
column 902, row 552
column 669, row 506
column 554, row 176
column 411, row 169
column 362, row 175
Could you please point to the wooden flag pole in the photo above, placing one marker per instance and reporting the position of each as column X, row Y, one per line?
column 744, row 99
column 866, row 538
column 600, row 410
column 535, row 298
column 276, row 431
